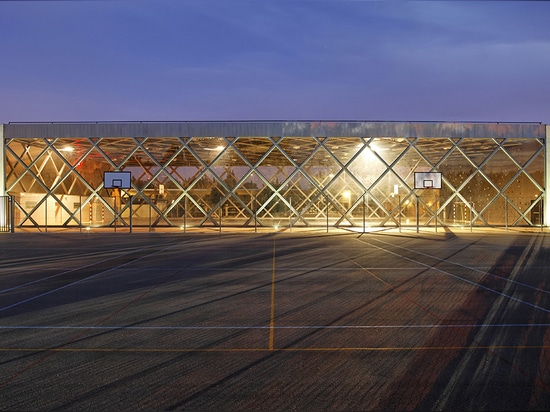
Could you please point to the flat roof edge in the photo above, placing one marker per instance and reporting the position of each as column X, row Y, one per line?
column 316, row 128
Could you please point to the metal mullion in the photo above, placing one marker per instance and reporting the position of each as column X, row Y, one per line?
column 38, row 175
column 40, row 167
column 155, row 161
column 261, row 176
column 318, row 193
column 500, row 192
column 13, row 167
column 456, row 190
column 267, row 153
column 276, row 191
column 32, row 164
column 146, row 172
column 167, row 164
column 27, row 216
column 532, row 159
column 390, row 213
column 17, row 178
column 174, row 170
column 71, row 170
column 17, row 158
column 459, row 149
column 60, row 203
column 285, row 154
column 316, row 149
column 482, row 173
column 417, row 150
column 389, row 167
column 470, row 206
column 294, row 185
column 206, row 168
column 220, row 180
column 36, row 179
column 239, row 183
column 207, row 215
column 107, row 158
column 501, row 145
column 224, row 186
column 125, row 159
column 476, row 168
column 446, row 155
column 522, row 215
column 84, row 181
column 60, row 179
column 429, row 216
column 250, row 171
column 232, row 197
column 320, row 190
column 60, row 182
column 389, row 170
column 281, row 196
column 444, row 179
column 351, row 160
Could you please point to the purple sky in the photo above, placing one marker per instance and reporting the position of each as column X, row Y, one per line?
column 180, row 60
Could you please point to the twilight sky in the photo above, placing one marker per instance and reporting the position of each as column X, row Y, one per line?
column 184, row 60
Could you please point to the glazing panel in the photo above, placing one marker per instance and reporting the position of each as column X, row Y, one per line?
column 367, row 167
column 389, row 149
column 522, row 149
column 477, row 150
column 433, row 150
column 252, row 148
column 343, row 148
column 298, row 148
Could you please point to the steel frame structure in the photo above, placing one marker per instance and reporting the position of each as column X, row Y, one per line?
column 275, row 174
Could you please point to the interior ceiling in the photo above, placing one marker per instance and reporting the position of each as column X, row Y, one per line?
column 253, row 148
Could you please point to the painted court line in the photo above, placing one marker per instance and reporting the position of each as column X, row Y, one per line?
column 286, row 349
column 83, row 279
column 477, row 284
column 270, row 327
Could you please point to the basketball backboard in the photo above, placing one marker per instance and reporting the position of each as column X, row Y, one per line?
column 117, row 180
column 427, row 180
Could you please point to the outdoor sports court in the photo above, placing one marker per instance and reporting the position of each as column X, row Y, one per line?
column 273, row 321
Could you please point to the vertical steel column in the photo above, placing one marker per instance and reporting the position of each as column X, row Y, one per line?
column 2, row 162
column 6, row 203
column 546, row 199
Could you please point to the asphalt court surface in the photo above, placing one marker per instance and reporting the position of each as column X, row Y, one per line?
column 307, row 321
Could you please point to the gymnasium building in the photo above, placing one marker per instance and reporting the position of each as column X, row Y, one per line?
column 273, row 174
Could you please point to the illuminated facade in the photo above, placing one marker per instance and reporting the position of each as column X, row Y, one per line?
column 266, row 174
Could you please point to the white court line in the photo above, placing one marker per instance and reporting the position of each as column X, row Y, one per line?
column 128, row 251
column 145, row 328
column 462, row 278
column 88, row 277
column 479, row 269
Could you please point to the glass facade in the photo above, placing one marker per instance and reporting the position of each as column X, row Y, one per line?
column 491, row 176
